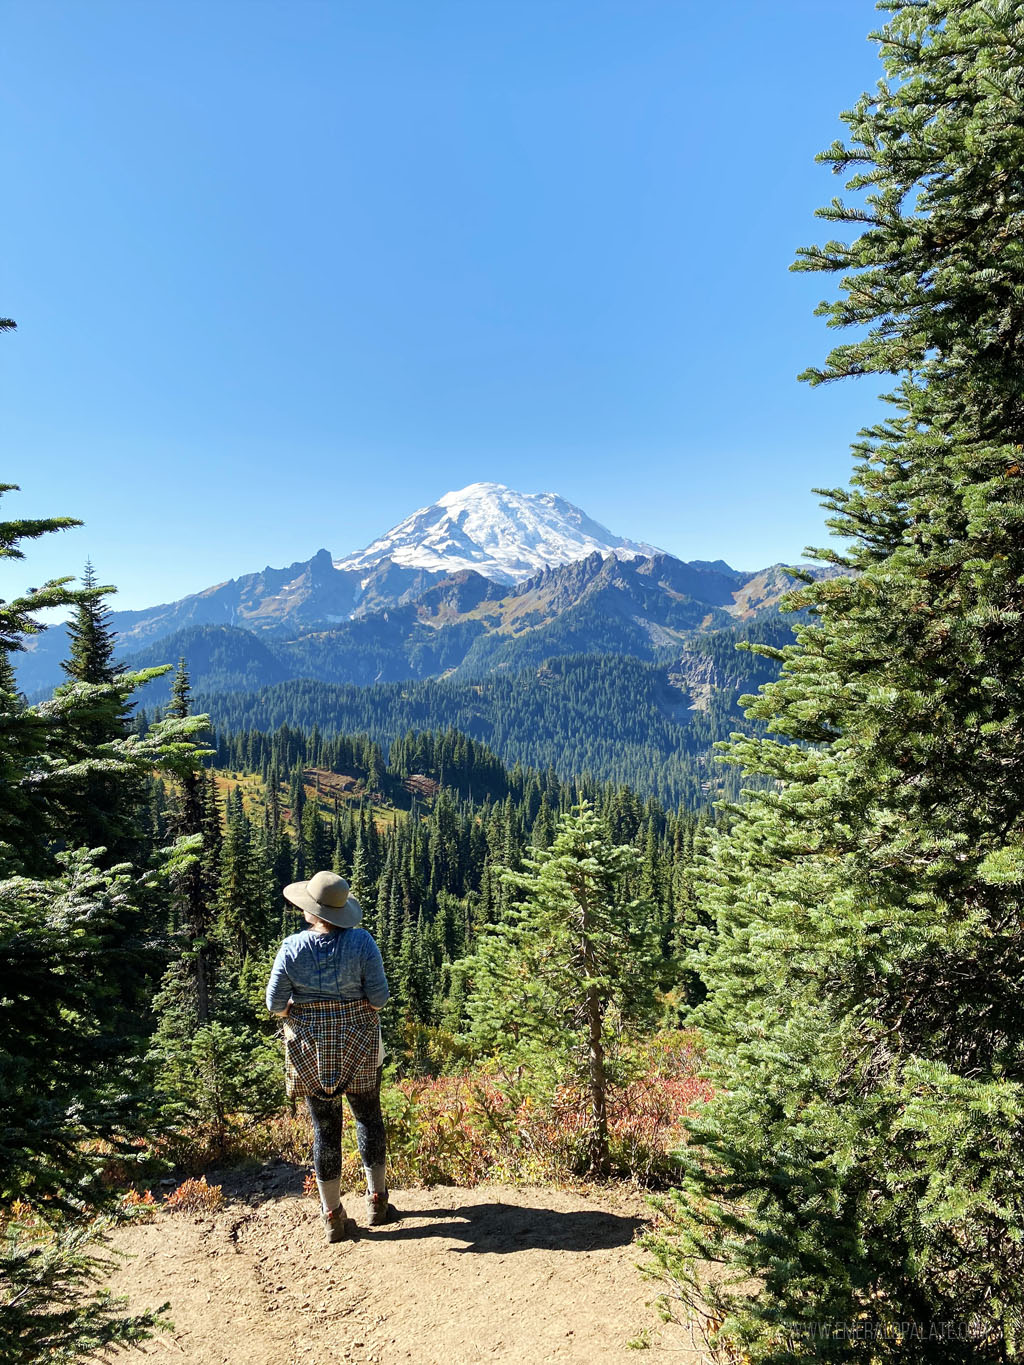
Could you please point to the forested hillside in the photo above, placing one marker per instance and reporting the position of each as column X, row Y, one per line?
column 614, row 717
column 627, row 671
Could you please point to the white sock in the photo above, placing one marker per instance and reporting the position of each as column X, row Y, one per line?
column 375, row 1178
column 330, row 1194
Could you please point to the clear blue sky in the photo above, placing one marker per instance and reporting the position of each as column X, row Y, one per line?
column 285, row 271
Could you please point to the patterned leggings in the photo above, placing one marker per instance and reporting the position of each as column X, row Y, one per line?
column 327, row 1114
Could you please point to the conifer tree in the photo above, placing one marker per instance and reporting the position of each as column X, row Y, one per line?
column 90, row 638
column 865, row 1020
column 102, row 811
column 72, row 948
column 180, row 703
column 63, row 1092
column 552, row 971
column 197, row 891
column 361, row 884
column 8, row 679
column 315, row 840
column 235, row 904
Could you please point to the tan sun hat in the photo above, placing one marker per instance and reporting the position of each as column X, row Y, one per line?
column 327, row 896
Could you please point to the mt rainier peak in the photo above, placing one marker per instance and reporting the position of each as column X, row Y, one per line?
column 502, row 534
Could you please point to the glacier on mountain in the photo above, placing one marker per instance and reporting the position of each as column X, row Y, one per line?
column 504, row 535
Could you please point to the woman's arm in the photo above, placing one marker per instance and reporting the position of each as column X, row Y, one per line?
column 279, row 987
column 375, row 983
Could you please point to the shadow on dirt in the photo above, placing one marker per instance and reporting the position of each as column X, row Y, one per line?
column 501, row 1228
column 489, row 1228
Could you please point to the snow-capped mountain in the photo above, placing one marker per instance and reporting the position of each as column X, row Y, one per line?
column 504, row 535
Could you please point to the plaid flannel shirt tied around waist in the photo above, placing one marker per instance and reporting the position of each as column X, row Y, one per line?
column 330, row 1047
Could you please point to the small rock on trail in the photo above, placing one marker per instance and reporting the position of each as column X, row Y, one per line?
column 465, row 1275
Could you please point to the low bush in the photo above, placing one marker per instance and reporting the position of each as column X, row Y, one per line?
column 139, row 1208
column 195, row 1196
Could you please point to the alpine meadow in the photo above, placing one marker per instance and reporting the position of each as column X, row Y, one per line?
column 666, row 916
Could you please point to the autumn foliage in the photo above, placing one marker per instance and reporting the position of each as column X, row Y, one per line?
column 195, row 1196
column 483, row 1124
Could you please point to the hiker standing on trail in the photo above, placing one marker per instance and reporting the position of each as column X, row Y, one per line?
column 328, row 984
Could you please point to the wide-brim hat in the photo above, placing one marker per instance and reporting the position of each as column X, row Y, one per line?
column 327, row 896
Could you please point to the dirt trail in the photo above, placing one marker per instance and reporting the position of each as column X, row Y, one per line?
column 492, row 1273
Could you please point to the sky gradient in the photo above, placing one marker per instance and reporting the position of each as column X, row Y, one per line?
column 284, row 272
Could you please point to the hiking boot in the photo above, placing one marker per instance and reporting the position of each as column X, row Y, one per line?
column 335, row 1224
column 378, row 1210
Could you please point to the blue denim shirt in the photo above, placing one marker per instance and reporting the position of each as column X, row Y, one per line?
column 342, row 965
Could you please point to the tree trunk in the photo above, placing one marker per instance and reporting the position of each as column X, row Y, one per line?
column 598, row 1138
column 598, row 1087
column 202, row 987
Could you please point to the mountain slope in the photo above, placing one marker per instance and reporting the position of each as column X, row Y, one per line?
column 598, row 605
column 503, row 535
column 464, row 624
column 305, row 593
column 467, row 626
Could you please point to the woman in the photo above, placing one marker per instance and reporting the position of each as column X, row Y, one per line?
column 328, row 983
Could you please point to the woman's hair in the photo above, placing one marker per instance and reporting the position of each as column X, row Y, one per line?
column 312, row 919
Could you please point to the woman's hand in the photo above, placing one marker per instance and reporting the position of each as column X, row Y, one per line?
column 283, row 1014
